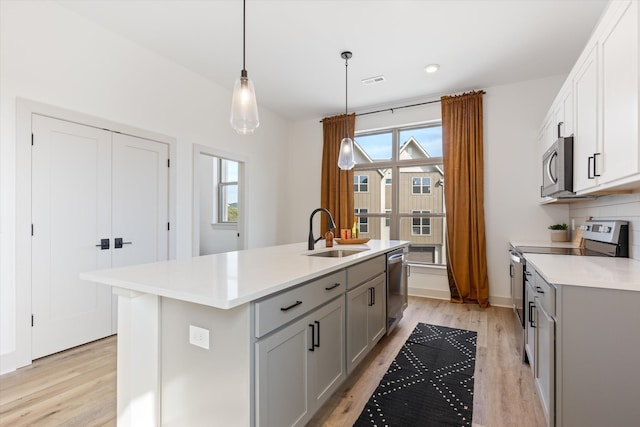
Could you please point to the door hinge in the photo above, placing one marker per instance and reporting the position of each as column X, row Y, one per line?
column 32, row 138
column 32, row 320
column 31, row 230
column 168, row 163
column 168, row 226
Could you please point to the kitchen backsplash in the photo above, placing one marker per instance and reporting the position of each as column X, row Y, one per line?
column 618, row 206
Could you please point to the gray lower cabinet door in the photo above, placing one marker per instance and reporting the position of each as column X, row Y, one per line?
column 545, row 360
column 377, row 310
column 282, row 377
column 530, row 344
column 357, row 325
column 327, row 361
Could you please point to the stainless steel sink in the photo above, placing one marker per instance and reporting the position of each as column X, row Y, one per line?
column 337, row 253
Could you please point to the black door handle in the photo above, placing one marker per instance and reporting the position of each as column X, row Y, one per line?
column 117, row 243
column 317, row 344
column 295, row 304
column 335, row 285
column 531, row 307
column 104, row 244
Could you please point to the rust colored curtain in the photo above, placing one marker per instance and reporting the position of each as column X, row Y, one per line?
column 336, row 193
column 464, row 197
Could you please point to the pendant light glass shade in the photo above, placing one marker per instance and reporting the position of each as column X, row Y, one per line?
column 345, row 158
column 244, row 106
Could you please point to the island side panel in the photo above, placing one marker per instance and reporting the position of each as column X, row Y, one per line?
column 203, row 387
column 138, row 373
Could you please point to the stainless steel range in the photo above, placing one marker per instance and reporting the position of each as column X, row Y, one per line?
column 609, row 238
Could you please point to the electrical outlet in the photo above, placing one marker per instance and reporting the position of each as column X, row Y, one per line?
column 199, row 337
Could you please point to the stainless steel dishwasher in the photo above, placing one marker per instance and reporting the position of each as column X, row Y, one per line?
column 396, row 287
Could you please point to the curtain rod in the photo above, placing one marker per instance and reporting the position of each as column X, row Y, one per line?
column 394, row 108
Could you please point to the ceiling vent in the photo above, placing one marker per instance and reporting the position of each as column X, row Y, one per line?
column 373, row 80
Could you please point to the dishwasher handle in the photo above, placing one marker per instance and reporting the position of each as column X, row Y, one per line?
column 394, row 259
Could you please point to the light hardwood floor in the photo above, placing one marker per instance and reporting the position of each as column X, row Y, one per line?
column 77, row 387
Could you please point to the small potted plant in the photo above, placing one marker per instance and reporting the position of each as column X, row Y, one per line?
column 559, row 232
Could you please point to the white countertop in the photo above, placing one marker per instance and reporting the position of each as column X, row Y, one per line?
column 589, row 271
column 230, row 279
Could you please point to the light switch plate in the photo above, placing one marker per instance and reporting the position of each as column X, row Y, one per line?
column 199, row 337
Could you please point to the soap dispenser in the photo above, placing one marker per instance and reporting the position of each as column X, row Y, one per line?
column 328, row 239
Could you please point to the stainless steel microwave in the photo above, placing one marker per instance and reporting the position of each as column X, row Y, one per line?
column 557, row 169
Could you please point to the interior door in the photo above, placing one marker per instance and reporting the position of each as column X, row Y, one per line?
column 90, row 185
column 71, row 187
column 140, row 208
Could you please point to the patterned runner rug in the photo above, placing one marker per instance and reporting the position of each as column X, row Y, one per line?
column 430, row 382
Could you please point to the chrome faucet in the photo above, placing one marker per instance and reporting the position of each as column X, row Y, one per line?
column 330, row 224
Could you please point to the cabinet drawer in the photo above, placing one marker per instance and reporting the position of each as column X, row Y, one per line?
column 364, row 271
column 279, row 309
column 546, row 294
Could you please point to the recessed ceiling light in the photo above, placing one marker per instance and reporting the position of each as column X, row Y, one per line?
column 431, row 68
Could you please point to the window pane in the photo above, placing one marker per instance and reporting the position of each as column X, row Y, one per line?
column 229, row 171
column 417, row 192
column 374, row 147
column 428, row 138
column 427, row 239
column 371, row 193
column 229, row 203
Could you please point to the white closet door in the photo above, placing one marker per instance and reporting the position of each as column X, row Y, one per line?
column 140, row 203
column 71, row 189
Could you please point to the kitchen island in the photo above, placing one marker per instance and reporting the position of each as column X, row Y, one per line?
column 189, row 330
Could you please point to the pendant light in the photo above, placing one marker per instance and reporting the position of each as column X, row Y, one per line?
column 244, row 107
column 345, row 159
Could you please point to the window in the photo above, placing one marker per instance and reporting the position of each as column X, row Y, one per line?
column 421, row 185
column 361, row 183
column 421, row 226
column 405, row 189
column 227, row 191
column 363, row 222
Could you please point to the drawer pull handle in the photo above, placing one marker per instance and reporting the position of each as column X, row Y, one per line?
column 295, row 304
column 335, row 285
column 539, row 290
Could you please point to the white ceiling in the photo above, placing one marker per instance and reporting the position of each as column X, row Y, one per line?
column 293, row 46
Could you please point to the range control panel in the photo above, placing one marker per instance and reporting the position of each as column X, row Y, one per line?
column 607, row 231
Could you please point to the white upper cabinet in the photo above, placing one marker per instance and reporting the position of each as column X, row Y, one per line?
column 585, row 143
column 619, row 47
column 598, row 104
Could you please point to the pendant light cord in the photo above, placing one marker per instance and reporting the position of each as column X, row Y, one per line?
column 244, row 26
column 346, row 94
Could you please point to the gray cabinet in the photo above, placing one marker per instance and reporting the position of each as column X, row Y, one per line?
column 366, row 319
column 530, row 343
column 300, row 366
column 544, row 365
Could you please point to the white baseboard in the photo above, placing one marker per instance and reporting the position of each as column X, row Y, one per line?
column 495, row 301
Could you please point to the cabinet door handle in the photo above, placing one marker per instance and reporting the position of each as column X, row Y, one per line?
column 589, row 176
column 295, row 304
column 313, row 336
column 539, row 290
column 370, row 303
column 373, row 293
column 595, row 164
column 317, row 344
column 531, row 307
column 335, row 285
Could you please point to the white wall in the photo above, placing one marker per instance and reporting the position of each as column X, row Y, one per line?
column 512, row 118
column 52, row 55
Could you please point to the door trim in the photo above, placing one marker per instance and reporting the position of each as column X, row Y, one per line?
column 199, row 149
column 24, row 110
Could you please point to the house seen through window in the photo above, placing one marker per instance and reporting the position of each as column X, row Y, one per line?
column 227, row 191
column 403, row 193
